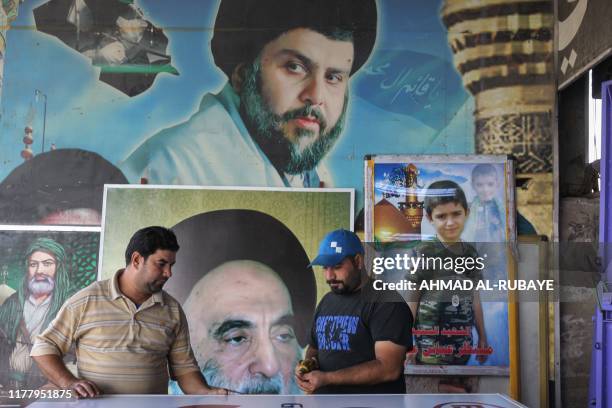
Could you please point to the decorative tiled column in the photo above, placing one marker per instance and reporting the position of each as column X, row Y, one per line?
column 504, row 51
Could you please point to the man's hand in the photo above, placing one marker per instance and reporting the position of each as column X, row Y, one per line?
column 312, row 381
column 84, row 388
column 307, row 365
column 194, row 383
column 387, row 366
column 55, row 370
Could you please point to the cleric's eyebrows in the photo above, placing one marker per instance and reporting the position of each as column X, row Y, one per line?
column 288, row 320
column 219, row 330
column 310, row 63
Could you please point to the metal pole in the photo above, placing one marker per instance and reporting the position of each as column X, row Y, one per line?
column 44, row 123
column 601, row 355
column 38, row 93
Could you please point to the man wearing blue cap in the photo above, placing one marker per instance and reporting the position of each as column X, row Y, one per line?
column 359, row 343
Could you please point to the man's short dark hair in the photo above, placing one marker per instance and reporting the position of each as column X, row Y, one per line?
column 244, row 27
column 148, row 240
column 484, row 169
column 444, row 192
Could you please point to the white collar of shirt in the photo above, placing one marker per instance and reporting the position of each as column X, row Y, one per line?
column 34, row 314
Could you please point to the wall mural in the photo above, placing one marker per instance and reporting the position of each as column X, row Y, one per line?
column 262, row 93
column 172, row 94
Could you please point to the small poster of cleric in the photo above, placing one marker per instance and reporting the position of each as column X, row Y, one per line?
column 242, row 271
column 39, row 270
column 443, row 224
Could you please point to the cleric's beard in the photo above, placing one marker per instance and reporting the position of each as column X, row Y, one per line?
column 255, row 384
column 41, row 287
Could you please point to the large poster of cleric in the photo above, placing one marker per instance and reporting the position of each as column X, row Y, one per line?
column 242, row 271
column 168, row 93
column 442, row 225
column 39, row 270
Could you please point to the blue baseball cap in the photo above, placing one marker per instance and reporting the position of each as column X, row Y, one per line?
column 336, row 246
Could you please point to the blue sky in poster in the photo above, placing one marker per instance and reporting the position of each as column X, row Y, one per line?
column 423, row 109
column 430, row 172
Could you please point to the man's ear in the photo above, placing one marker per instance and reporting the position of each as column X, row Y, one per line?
column 136, row 260
column 238, row 77
column 359, row 261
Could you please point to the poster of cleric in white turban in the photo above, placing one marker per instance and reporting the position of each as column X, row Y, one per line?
column 242, row 271
column 39, row 270
column 300, row 90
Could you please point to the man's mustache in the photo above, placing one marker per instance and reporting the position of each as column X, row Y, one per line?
column 41, row 276
column 307, row 111
column 41, row 286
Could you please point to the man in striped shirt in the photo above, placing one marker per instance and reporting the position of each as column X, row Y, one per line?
column 130, row 335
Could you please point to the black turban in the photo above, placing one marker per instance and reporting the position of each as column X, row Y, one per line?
column 210, row 239
column 53, row 181
column 244, row 27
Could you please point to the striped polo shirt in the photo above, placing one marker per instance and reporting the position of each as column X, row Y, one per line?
column 121, row 348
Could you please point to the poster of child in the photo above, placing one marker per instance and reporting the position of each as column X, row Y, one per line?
column 447, row 209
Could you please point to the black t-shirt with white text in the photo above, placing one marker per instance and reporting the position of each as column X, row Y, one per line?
column 345, row 329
